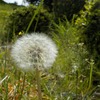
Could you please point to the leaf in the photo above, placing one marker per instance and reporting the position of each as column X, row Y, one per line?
column 1, row 55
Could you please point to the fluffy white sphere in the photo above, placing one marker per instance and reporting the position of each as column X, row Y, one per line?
column 34, row 50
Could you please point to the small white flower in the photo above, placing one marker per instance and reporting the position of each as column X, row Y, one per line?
column 34, row 50
column 75, row 67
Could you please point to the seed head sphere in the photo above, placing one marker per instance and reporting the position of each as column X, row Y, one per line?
column 34, row 50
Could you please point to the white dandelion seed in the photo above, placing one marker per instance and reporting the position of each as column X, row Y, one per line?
column 34, row 50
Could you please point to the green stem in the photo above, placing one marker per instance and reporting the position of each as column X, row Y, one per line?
column 36, row 13
column 24, row 78
column 38, row 83
column 91, row 72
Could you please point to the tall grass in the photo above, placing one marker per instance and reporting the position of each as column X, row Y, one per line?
column 36, row 13
column 72, row 61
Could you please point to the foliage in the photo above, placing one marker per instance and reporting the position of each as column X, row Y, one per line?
column 73, row 75
column 47, row 3
column 2, row 2
column 62, row 8
column 69, row 78
column 73, row 62
column 5, row 10
column 92, row 32
column 92, row 39
column 67, row 8
column 32, row 1
column 69, row 42
column 89, row 21
column 20, row 18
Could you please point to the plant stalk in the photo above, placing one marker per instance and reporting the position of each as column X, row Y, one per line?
column 38, row 78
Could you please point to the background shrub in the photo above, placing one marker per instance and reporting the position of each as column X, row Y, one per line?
column 61, row 8
column 67, row 8
column 20, row 18
column 92, row 39
column 88, row 22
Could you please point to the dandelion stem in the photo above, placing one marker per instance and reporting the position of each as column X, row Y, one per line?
column 24, row 78
column 38, row 83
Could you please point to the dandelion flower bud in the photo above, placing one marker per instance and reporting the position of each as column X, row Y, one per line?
column 34, row 50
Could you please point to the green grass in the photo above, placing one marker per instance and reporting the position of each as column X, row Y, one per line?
column 63, row 81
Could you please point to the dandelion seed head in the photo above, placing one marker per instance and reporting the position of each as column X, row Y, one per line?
column 34, row 50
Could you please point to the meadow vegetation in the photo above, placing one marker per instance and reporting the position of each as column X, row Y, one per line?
column 75, row 75
column 5, row 10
